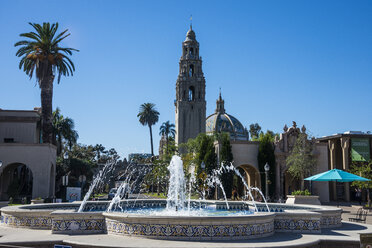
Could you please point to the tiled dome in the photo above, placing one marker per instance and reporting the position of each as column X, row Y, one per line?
column 223, row 122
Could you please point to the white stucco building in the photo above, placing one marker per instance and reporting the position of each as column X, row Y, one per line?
column 28, row 167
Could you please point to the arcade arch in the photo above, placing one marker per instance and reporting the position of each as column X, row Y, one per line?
column 252, row 177
column 16, row 181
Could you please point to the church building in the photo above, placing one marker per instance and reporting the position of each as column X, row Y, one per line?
column 191, row 119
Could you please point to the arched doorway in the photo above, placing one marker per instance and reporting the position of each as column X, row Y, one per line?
column 251, row 176
column 16, row 181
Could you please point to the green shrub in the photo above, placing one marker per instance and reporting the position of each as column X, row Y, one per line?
column 300, row 192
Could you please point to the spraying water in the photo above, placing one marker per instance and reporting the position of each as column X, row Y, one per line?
column 214, row 179
column 97, row 180
column 232, row 167
column 191, row 181
column 263, row 197
column 176, row 192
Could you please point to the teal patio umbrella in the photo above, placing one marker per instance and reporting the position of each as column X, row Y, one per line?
column 336, row 175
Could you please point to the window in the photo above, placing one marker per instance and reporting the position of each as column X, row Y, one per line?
column 191, row 93
column 191, row 71
column 8, row 140
column 191, row 51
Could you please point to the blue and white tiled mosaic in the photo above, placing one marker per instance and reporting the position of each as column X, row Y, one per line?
column 176, row 231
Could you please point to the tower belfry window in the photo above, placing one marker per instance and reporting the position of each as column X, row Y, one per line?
column 191, row 93
column 191, row 51
column 191, row 71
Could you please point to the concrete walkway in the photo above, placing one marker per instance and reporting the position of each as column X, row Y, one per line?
column 348, row 234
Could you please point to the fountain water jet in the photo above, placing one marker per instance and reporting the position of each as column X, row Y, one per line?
column 97, row 180
column 177, row 190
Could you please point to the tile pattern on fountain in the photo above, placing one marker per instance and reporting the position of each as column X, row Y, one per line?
column 236, row 231
column 35, row 222
column 83, row 225
column 297, row 225
column 330, row 221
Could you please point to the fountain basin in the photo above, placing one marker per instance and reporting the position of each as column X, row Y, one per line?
column 64, row 218
column 72, row 222
column 191, row 227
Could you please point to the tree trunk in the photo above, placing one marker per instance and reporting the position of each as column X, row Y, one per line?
column 59, row 145
column 167, row 144
column 46, row 86
column 302, row 183
column 152, row 146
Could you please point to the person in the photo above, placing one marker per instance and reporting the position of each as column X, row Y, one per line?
column 235, row 194
column 358, row 195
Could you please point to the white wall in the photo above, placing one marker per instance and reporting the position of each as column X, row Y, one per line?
column 21, row 132
column 38, row 157
column 245, row 152
column 321, row 188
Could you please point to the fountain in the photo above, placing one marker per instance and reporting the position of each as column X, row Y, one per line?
column 171, row 219
column 177, row 191
column 97, row 180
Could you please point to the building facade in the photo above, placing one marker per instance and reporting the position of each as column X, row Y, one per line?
column 284, row 182
column 344, row 149
column 191, row 120
column 28, row 167
column 190, row 92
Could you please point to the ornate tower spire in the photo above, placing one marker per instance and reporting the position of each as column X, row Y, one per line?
column 220, row 105
column 190, row 91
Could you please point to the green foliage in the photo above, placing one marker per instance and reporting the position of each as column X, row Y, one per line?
column 41, row 55
column 64, row 131
column 157, row 177
column 170, row 150
column 148, row 115
column 201, row 149
column 301, row 161
column 226, row 157
column 362, row 169
column 266, row 155
column 83, row 160
column 301, row 192
column 255, row 131
column 167, row 130
column 42, row 51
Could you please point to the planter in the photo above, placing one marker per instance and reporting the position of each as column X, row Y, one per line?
column 303, row 199
column 37, row 201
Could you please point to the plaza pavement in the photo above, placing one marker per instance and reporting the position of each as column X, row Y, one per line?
column 345, row 236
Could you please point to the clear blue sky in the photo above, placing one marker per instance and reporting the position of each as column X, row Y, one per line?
column 276, row 61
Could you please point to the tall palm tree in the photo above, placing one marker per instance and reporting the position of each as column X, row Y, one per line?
column 63, row 129
column 167, row 129
column 148, row 115
column 42, row 55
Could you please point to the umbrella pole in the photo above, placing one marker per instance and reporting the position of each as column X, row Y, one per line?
column 338, row 201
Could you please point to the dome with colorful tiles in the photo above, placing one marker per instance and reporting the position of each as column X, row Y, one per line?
column 220, row 121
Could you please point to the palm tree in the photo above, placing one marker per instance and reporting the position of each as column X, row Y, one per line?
column 63, row 129
column 167, row 129
column 148, row 115
column 42, row 55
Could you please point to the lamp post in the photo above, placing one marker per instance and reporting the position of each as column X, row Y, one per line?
column 267, row 168
column 65, row 177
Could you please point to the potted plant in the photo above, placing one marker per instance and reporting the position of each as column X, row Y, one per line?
column 37, row 200
column 302, row 197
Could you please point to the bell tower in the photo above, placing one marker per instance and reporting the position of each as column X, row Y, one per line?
column 190, row 92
